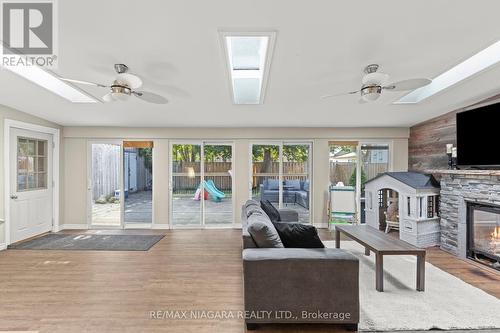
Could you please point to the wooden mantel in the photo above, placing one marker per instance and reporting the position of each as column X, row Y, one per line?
column 464, row 172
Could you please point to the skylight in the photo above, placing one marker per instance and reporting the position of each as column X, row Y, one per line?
column 473, row 65
column 52, row 83
column 248, row 57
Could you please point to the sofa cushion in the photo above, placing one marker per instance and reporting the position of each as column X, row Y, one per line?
column 273, row 184
column 298, row 235
column 294, row 184
column 263, row 232
column 270, row 210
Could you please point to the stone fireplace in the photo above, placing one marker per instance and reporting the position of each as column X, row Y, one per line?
column 470, row 214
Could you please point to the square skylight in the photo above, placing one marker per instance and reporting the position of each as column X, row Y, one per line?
column 248, row 60
column 473, row 65
column 52, row 83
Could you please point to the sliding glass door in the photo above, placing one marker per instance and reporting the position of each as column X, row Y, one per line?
column 297, row 178
column 104, row 184
column 218, row 184
column 138, row 183
column 201, row 184
column 280, row 173
column 374, row 158
column 352, row 164
column 186, row 193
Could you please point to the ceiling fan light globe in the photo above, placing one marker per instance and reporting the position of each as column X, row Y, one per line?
column 370, row 97
column 371, row 93
column 108, row 98
column 120, row 96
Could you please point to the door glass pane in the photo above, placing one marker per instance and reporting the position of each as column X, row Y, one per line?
column 374, row 160
column 343, row 161
column 296, row 179
column 186, row 192
column 218, row 184
column 31, row 164
column 105, row 180
column 138, row 183
column 265, row 173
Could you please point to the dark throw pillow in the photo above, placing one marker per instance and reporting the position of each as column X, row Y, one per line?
column 270, row 210
column 294, row 234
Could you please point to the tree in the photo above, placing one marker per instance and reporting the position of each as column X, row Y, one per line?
column 352, row 179
column 147, row 154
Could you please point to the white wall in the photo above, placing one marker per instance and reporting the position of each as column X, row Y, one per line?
column 9, row 113
column 75, row 147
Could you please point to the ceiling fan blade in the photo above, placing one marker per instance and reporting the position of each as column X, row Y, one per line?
column 131, row 80
column 408, row 84
column 342, row 94
column 83, row 82
column 150, row 97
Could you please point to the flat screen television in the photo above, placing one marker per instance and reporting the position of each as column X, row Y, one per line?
column 478, row 137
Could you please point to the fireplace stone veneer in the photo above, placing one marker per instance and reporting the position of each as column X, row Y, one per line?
column 458, row 188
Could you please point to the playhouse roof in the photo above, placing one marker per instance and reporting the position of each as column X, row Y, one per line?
column 416, row 180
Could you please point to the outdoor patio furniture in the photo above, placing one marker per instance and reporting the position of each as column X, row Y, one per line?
column 294, row 191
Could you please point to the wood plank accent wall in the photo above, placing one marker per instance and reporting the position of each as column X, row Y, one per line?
column 427, row 142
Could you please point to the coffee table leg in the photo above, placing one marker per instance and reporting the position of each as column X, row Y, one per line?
column 367, row 251
column 337, row 239
column 421, row 272
column 379, row 272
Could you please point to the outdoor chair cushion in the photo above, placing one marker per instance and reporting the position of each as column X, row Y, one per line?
column 294, row 184
column 273, row 184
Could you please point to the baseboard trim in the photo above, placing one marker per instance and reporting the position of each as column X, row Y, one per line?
column 160, row 226
column 82, row 226
column 3, row 246
column 138, row 226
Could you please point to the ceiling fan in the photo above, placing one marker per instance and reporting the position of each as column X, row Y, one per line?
column 124, row 85
column 374, row 83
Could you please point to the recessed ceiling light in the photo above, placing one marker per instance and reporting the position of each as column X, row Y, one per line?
column 52, row 83
column 473, row 65
column 248, row 57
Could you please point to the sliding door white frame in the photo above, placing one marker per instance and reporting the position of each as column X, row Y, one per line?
column 359, row 162
column 202, row 224
column 281, row 144
column 144, row 225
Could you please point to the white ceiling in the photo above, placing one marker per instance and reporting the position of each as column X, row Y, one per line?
column 322, row 47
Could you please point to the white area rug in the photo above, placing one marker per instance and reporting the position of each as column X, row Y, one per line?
column 447, row 302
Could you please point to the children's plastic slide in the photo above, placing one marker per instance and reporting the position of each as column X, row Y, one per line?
column 209, row 186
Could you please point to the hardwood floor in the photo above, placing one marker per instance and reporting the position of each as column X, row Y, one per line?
column 100, row 291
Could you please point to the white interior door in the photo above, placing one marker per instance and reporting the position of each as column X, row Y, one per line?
column 30, row 157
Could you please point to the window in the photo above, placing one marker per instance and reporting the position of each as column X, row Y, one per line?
column 432, row 206
column 470, row 66
column 381, row 199
column 420, row 206
column 248, row 57
column 31, row 164
column 408, row 206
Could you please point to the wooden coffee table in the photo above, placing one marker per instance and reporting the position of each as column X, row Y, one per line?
column 382, row 245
